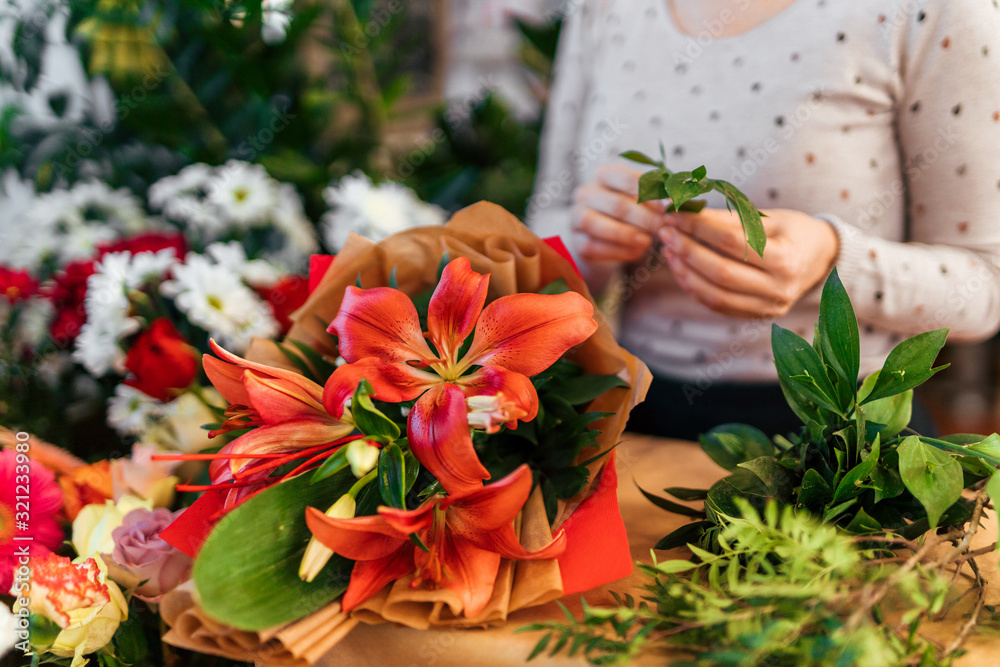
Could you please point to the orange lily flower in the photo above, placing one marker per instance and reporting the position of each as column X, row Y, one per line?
column 285, row 407
column 466, row 536
column 515, row 337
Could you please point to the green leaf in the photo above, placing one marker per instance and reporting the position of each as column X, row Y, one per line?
column 670, row 505
column 931, row 475
column 651, row 186
column 729, row 445
column 699, row 173
column 584, row 388
column 892, row 411
column 988, row 445
column 367, row 417
column 815, row 493
column 682, row 186
column 909, row 364
column 800, row 366
column 641, row 158
column 676, row 566
column 687, row 494
column 687, row 534
column 838, row 332
column 862, row 524
column 778, row 479
column 392, row 477
column 334, row 464
column 247, row 571
column 993, row 491
column 887, row 482
column 750, row 218
column 850, row 485
column 557, row 286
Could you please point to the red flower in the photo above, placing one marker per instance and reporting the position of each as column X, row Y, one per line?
column 42, row 526
column 466, row 536
column 513, row 338
column 285, row 297
column 86, row 485
column 16, row 286
column 67, row 294
column 147, row 242
column 161, row 361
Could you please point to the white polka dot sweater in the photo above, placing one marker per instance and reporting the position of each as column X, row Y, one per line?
column 882, row 117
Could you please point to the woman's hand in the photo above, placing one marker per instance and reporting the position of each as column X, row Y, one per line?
column 617, row 229
column 706, row 253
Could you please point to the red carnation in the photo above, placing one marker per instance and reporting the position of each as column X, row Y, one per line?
column 67, row 295
column 285, row 297
column 148, row 242
column 16, row 285
column 161, row 361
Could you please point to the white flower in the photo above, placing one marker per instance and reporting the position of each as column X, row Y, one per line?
column 33, row 324
column 8, row 626
column 373, row 211
column 277, row 15
column 256, row 273
column 243, row 192
column 191, row 181
column 132, row 412
column 299, row 232
column 107, row 303
column 214, row 298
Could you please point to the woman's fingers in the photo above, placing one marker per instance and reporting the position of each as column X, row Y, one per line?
column 617, row 205
column 720, row 230
column 722, row 270
column 720, row 299
column 609, row 239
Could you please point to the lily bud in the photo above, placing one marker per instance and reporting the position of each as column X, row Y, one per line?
column 317, row 554
column 363, row 456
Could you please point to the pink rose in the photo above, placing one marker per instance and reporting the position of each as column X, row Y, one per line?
column 140, row 554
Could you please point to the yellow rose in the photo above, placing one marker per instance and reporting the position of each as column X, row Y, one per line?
column 93, row 525
column 80, row 600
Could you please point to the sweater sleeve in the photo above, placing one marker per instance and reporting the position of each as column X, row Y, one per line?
column 550, row 209
column 947, row 272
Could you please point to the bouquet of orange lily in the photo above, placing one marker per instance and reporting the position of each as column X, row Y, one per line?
column 446, row 405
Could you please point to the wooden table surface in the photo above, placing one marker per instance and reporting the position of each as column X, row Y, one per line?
column 654, row 464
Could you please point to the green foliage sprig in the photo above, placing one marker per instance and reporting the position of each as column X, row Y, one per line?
column 853, row 463
column 681, row 187
column 784, row 588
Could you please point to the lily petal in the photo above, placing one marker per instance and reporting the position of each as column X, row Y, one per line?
column 393, row 383
column 410, row 521
column 276, row 401
column 504, row 542
column 359, row 538
column 492, row 506
column 527, row 333
column 519, row 394
column 370, row 576
column 455, row 306
column 471, row 572
column 227, row 378
column 275, row 439
column 438, row 431
column 291, row 377
column 381, row 322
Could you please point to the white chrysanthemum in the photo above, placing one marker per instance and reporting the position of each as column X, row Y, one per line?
column 191, row 181
column 243, row 192
column 373, row 211
column 277, row 15
column 66, row 225
column 256, row 272
column 107, row 303
column 291, row 219
column 132, row 412
column 34, row 323
column 8, row 628
column 214, row 298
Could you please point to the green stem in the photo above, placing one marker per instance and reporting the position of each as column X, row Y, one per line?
column 959, row 449
column 362, row 483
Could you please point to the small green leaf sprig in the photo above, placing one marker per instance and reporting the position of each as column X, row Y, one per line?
column 681, row 187
column 782, row 588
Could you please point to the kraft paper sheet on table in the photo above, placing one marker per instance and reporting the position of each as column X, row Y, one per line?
column 655, row 464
